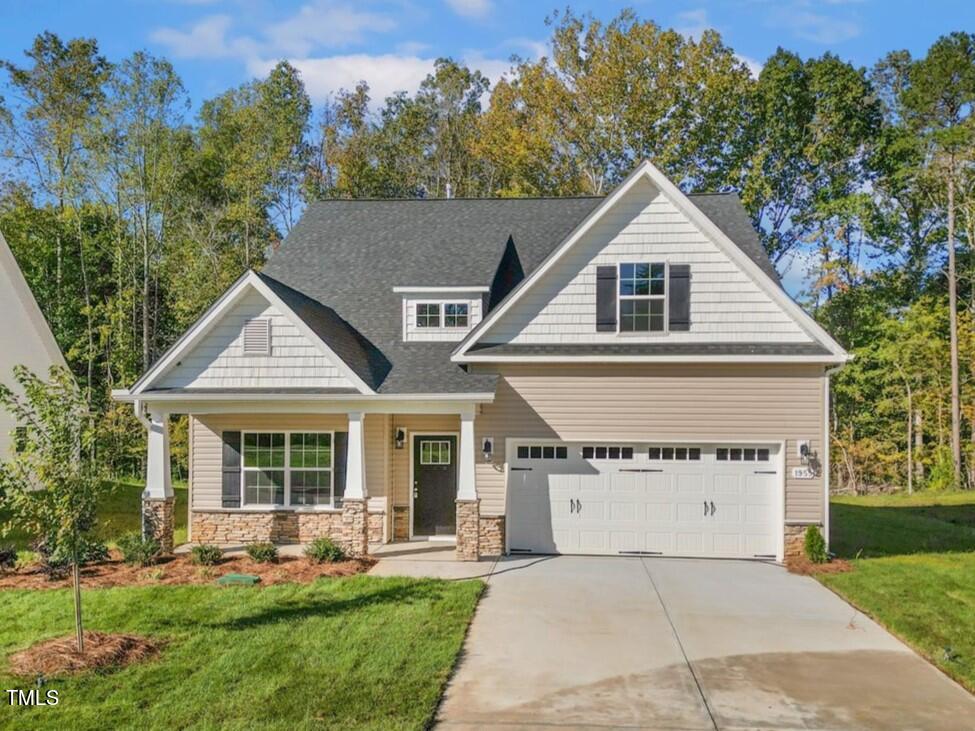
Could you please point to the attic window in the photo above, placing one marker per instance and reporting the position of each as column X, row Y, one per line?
column 257, row 337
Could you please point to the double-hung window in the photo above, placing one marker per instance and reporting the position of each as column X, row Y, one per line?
column 642, row 297
column 287, row 468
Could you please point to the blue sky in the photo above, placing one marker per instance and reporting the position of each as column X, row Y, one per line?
column 215, row 44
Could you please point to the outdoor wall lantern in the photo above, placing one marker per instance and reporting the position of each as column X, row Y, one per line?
column 400, row 437
column 487, row 446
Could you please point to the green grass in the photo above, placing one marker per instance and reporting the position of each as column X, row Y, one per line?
column 359, row 652
column 916, row 571
column 119, row 513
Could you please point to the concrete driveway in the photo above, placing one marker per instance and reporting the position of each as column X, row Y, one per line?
column 682, row 644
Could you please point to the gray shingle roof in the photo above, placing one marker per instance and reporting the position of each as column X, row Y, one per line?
column 339, row 264
column 672, row 349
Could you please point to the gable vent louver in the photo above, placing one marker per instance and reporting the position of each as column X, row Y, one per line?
column 257, row 337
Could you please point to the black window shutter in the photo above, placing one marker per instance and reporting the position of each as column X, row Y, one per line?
column 231, row 469
column 680, row 297
column 606, row 299
column 339, row 456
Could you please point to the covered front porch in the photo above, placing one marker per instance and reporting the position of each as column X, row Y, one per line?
column 289, row 469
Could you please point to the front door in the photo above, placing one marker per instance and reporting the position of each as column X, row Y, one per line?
column 434, row 485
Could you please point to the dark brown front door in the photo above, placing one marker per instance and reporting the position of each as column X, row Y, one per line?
column 434, row 485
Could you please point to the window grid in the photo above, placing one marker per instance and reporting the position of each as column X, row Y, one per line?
column 642, row 297
column 434, row 452
column 539, row 451
column 607, row 452
column 679, row 454
column 742, row 454
column 428, row 314
column 455, row 314
column 285, row 468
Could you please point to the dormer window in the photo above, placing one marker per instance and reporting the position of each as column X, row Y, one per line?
column 428, row 314
column 446, row 314
column 455, row 314
column 642, row 297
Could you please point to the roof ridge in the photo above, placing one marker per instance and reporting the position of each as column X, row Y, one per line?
column 457, row 199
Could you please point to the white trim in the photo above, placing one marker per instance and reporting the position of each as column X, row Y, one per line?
column 27, row 300
column 427, row 290
column 816, row 359
column 410, row 435
column 697, row 217
column 189, row 339
column 287, row 472
column 124, row 395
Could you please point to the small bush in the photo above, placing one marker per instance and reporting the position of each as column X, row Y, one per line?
column 206, row 555
column 56, row 562
column 815, row 545
column 262, row 552
column 324, row 550
column 139, row 551
column 8, row 557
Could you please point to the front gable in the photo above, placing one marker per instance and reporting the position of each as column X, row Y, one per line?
column 647, row 220
column 250, row 339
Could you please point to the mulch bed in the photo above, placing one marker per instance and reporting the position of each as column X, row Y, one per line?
column 172, row 570
column 60, row 656
column 802, row 565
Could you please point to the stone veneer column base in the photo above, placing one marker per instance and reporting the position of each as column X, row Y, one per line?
column 795, row 541
column 355, row 524
column 468, row 530
column 491, row 536
column 157, row 521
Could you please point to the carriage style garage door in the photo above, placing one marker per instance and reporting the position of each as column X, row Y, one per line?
column 716, row 500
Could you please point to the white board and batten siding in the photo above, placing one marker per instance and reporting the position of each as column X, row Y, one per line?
column 645, row 226
column 412, row 333
column 220, row 360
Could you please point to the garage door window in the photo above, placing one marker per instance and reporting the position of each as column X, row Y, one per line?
column 542, row 451
column 742, row 454
column 607, row 452
column 677, row 454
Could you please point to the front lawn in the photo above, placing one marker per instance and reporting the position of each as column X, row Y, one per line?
column 120, row 512
column 915, row 571
column 359, row 652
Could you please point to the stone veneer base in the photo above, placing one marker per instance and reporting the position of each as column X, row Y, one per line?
column 491, row 536
column 468, row 530
column 795, row 541
column 157, row 521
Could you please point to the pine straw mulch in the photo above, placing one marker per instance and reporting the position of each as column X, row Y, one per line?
column 805, row 567
column 173, row 570
column 60, row 656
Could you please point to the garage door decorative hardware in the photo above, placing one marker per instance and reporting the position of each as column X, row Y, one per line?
column 706, row 508
column 575, row 506
column 639, row 470
column 641, row 553
column 521, row 469
column 766, row 472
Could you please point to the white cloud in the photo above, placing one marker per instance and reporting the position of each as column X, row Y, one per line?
column 820, row 28
column 531, row 48
column 205, row 39
column 471, row 8
column 692, row 23
column 754, row 67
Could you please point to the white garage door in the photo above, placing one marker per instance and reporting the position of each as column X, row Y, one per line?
column 717, row 500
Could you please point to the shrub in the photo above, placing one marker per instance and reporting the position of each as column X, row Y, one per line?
column 206, row 555
column 322, row 550
column 815, row 545
column 139, row 551
column 8, row 557
column 262, row 552
column 55, row 560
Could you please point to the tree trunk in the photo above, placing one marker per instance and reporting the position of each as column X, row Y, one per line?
column 910, row 442
column 953, row 325
column 918, row 444
column 77, row 604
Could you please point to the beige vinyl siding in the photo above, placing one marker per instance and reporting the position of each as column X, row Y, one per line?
column 206, row 458
column 445, row 423
column 727, row 305
column 642, row 402
column 218, row 361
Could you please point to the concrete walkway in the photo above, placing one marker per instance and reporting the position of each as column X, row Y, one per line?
column 679, row 644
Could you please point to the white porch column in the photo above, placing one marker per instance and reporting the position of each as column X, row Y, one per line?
column 355, row 514
column 158, row 498
column 355, row 464
column 159, row 484
column 468, row 506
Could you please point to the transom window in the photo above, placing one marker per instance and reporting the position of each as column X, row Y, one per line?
column 434, row 451
column 455, row 314
column 288, row 468
column 542, row 451
column 742, row 454
column 680, row 454
column 607, row 452
column 428, row 314
column 643, row 290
